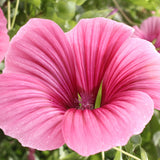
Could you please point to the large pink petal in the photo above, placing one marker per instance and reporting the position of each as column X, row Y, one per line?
column 91, row 131
column 41, row 49
column 95, row 42
column 4, row 38
column 28, row 112
column 136, row 66
column 138, row 33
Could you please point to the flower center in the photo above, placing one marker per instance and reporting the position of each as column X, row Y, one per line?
column 86, row 101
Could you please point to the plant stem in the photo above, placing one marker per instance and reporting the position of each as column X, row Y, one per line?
column 123, row 14
column 103, row 155
column 15, row 14
column 126, row 153
column 9, row 14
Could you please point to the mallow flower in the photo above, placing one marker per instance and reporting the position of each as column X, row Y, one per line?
column 51, row 80
column 4, row 38
column 150, row 31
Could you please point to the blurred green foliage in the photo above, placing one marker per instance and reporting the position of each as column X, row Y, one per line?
column 67, row 13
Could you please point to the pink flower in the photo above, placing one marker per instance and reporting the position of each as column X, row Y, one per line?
column 4, row 38
column 150, row 31
column 46, row 70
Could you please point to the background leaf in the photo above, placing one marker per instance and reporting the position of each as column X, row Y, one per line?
column 118, row 155
column 143, row 154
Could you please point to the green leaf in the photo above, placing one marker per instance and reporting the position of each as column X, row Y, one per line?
column 148, row 4
column 54, row 17
column 133, row 143
column 146, row 134
column 151, row 150
column 143, row 154
column 154, row 125
column 95, row 13
column 136, row 140
column 72, row 24
column 2, row 136
column 110, row 154
column 95, row 157
column 80, row 2
column 66, row 154
column 73, row 156
column 2, row 2
column 98, row 98
column 14, row 31
column 66, row 9
column 118, row 156
column 156, row 138
column 36, row 3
